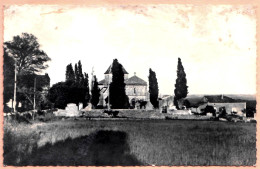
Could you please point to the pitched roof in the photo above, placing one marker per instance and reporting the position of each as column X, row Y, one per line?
column 109, row 70
column 195, row 101
column 134, row 80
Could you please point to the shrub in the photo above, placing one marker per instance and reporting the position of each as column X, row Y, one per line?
column 249, row 112
column 40, row 113
column 209, row 109
column 112, row 112
column 45, row 116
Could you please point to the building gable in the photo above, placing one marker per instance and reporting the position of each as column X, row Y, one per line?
column 134, row 80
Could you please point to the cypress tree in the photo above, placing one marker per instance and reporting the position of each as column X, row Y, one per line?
column 95, row 93
column 76, row 74
column 80, row 74
column 117, row 95
column 181, row 88
column 70, row 75
column 153, row 88
column 86, row 88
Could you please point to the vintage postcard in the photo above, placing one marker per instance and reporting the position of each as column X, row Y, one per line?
column 129, row 84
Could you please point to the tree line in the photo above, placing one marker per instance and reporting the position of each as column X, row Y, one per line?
column 75, row 89
column 23, row 60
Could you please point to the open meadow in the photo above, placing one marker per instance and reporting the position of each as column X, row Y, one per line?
column 81, row 142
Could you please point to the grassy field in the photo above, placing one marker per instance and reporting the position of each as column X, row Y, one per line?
column 135, row 142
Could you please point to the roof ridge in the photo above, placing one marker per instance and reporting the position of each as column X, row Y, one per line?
column 135, row 80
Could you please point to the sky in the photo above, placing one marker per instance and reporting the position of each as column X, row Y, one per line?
column 216, row 43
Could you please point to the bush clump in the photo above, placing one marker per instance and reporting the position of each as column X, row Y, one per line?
column 112, row 113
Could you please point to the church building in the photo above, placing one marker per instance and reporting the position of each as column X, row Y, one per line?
column 136, row 88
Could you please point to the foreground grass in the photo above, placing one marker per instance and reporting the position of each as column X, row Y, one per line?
column 135, row 142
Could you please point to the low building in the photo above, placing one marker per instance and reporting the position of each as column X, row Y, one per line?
column 220, row 101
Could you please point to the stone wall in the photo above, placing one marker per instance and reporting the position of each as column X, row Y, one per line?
column 230, row 107
column 179, row 112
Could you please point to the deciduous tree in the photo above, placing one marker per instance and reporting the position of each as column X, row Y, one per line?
column 25, row 49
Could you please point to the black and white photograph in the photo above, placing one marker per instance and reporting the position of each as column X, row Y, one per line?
column 129, row 85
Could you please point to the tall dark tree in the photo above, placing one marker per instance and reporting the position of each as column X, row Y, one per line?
column 70, row 75
column 76, row 71
column 117, row 95
column 80, row 74
column 86, row 88
column 153, row 88
column 8, row 79
column 95, row 93
column 181, row 88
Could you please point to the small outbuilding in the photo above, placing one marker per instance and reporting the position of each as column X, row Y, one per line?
column 219, row 102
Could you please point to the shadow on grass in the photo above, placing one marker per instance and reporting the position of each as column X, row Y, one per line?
column 103, row 148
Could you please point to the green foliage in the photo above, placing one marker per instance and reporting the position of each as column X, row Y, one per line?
column 153, row 88
column 181, row 88
column 118, row 97
column 95, row 93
